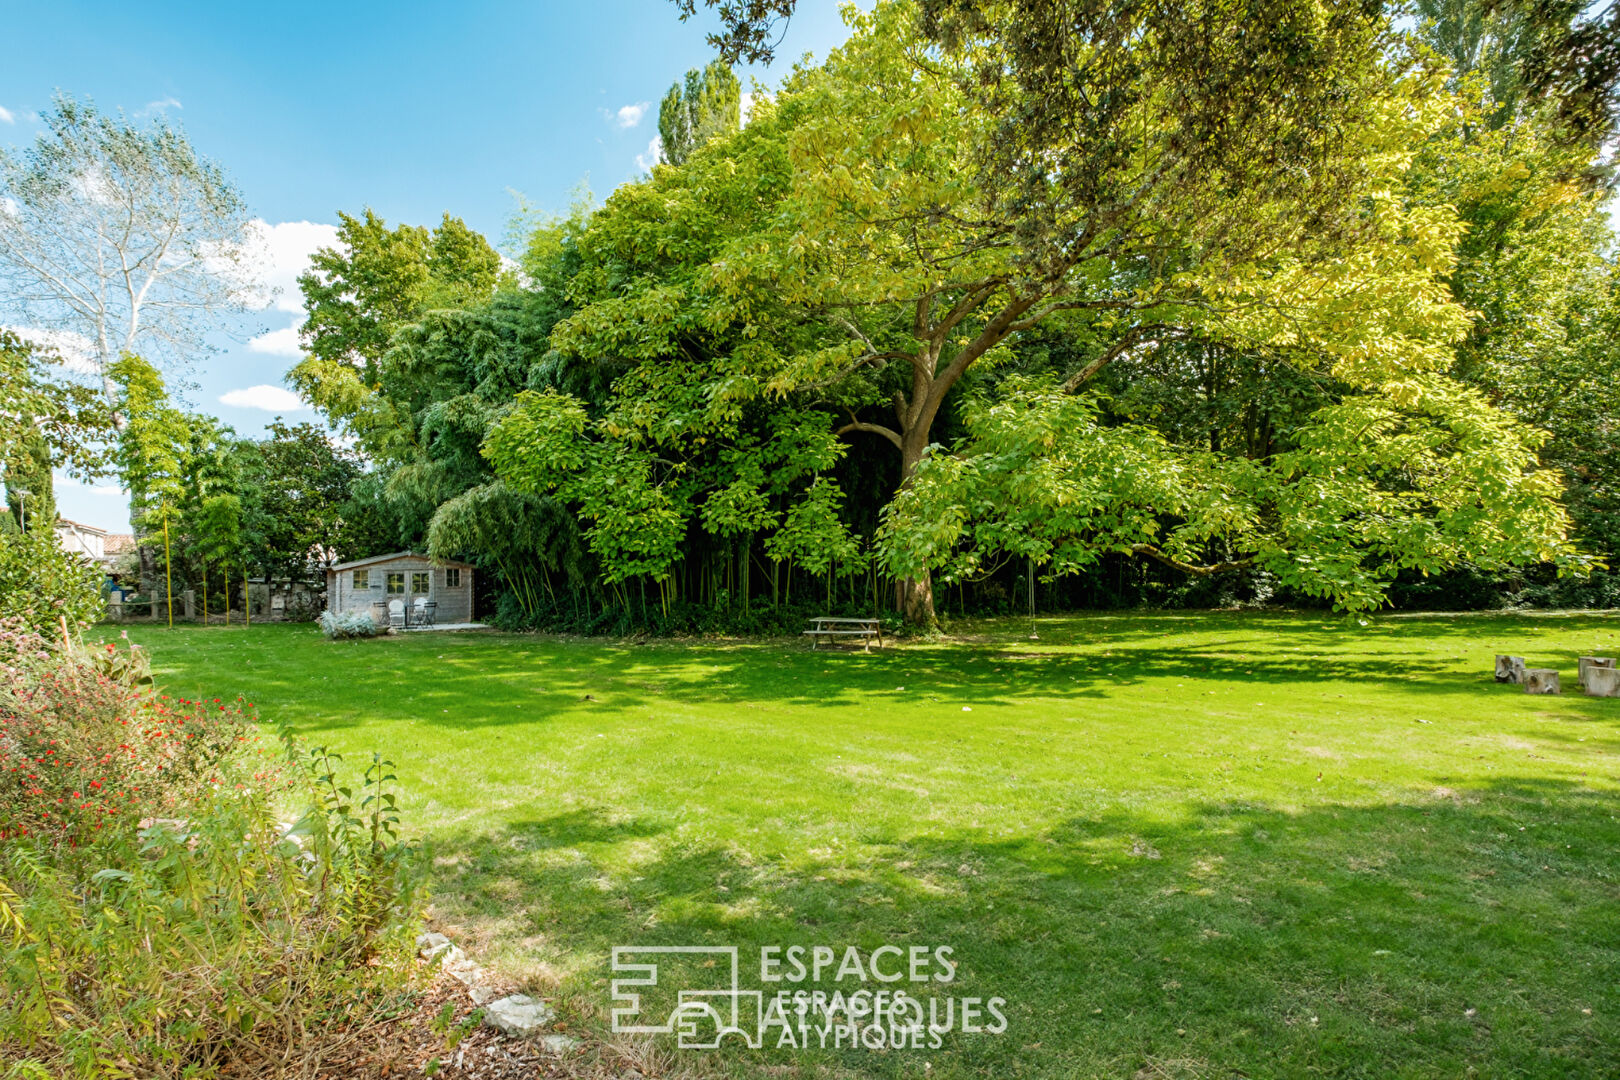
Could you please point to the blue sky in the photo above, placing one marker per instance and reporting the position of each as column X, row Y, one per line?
column 413, row 109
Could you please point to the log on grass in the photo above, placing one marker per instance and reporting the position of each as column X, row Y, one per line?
column 1541, row 680
column 1602, row 682
column 1586, row 663
column 1509, row 669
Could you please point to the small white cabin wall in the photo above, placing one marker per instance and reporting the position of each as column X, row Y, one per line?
column 449, row 586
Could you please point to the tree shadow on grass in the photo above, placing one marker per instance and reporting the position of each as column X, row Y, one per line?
column 1455, row 931
column 470, row 682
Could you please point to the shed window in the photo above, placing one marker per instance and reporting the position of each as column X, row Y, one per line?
column 452, row 578
column 362, row 579
column 419, row 583
column 396, row 584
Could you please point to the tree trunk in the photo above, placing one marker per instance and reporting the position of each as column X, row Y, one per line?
column 147, row 571
column 914, row 596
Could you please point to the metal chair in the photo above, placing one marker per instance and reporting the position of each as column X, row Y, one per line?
column 425, row 612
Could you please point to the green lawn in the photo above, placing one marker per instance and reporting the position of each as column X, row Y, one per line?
column 1177, row 844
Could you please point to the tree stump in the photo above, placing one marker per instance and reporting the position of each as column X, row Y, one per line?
column 1602, row 682
column 1587, row 663
column 1509, row 669
column 1541, row 680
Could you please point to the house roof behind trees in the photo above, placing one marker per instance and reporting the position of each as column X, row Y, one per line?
column 79, row 526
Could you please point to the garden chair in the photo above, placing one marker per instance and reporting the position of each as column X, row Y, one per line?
column 425, row 610
column 396, row 615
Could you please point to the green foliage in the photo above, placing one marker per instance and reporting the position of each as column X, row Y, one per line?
column 1536, row 265
column 304, row 485
column 271, row 506
column 41, row 584
column 45, row 423
column 153, row 444
column 1480, row 40
column 1372, row 488
column 707, row 107
column 813, row 531
column 749, row 27
column 89, row 751
column 1260, row 259
column 30, row 488
column 358, row 293
column 447, row 366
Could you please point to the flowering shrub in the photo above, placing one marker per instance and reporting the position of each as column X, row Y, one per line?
column 159, row 917
column 346, row 625
column 87, row 747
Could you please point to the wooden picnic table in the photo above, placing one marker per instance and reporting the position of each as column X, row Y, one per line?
column 828, row 629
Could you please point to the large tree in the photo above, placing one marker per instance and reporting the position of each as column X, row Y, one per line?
column 152, row 455
column 375, row 280
column 707, row 106
column 118, row 239
column 305, row 487
column 1536, row 267
column 853, row 252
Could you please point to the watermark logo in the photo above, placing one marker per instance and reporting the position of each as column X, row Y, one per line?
column 797, row 997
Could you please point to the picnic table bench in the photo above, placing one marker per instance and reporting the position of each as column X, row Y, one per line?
column 824, row 629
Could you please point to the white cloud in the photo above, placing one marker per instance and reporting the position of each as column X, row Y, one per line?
column 654, row 154
column 62, row 481
column 6, row 116
column 283, row 342
column 630, row 115
column 746, row 106
column 266, row 397
column 272, row 257
column 159, row 105
column 78, row 353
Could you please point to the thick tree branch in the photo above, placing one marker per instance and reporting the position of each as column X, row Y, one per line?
column 1186, row 567
column 977, row 294
column 875, row 429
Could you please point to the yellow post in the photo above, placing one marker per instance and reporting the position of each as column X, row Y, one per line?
column 227, row 594
column 205, row 591
column 168, row 569
column 247, row 598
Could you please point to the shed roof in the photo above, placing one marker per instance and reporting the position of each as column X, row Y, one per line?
column 373, row 560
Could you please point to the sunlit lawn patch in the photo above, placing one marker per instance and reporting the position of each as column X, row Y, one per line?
column 1196, row 845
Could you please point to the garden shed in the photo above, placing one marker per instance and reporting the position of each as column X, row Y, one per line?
column 369, row 584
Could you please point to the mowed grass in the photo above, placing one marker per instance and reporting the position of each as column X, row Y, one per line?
column 1178, row 845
